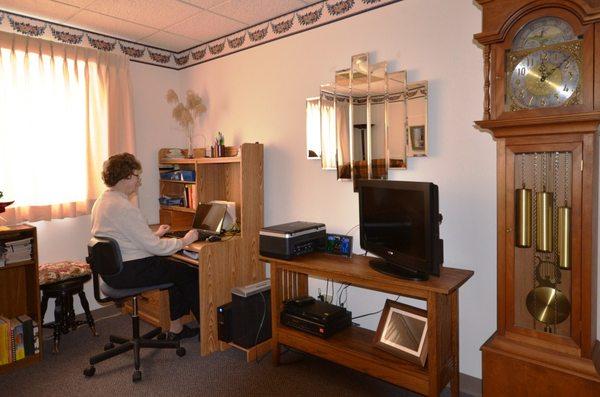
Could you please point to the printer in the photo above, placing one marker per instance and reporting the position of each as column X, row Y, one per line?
column 292, row 239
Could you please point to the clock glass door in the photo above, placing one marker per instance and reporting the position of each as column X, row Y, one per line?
column 544, row 266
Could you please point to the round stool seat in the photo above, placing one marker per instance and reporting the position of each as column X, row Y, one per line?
column 50, row 273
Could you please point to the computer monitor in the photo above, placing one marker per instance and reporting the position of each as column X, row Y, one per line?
column 209, row 218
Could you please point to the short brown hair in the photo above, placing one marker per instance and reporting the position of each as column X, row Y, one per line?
column 119, row 166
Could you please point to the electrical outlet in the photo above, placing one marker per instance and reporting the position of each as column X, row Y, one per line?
column 328, row 298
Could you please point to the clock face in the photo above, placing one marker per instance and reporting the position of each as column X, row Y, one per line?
column 545, row 78
column 543, row 31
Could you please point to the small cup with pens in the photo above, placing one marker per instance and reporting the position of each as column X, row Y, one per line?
column 218, row 149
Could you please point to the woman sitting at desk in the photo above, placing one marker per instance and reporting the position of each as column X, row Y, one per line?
column 145, row 253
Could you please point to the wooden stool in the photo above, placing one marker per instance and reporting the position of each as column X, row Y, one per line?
column 61, row 281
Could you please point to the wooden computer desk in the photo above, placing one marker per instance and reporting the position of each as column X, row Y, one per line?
column 220, row 268
column 353, row 347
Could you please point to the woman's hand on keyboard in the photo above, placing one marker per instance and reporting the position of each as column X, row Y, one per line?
column 162, row 229
column 190, row 237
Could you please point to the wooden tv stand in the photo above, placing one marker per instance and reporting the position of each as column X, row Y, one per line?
column 354, row 347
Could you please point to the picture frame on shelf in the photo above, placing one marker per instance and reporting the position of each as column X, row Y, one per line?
column 402, row 331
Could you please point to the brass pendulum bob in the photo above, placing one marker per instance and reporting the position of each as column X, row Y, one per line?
column 523, row 217
column 544, row 221
column 564, row 237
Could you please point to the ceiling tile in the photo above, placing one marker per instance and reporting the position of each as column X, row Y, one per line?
column 155, row 13
column 205, row 26
column 110, row 26
column 43, row 9
column 76, row 3
column 205, row 3
column 169, row 41
column 252, row 12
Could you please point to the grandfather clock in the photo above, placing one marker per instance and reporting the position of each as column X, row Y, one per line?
column 542, row 106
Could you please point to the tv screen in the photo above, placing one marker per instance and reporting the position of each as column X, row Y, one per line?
column 399, row 222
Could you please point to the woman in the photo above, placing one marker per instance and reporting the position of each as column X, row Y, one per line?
column 144, row 252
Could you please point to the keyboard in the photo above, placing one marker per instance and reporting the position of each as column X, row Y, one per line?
column 181, row 233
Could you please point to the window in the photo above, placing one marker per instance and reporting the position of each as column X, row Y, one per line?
column 54, row 126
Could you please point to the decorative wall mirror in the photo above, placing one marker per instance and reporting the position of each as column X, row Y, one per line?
column 370, row 121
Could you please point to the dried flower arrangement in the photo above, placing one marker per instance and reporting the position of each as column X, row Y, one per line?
column 186, row 114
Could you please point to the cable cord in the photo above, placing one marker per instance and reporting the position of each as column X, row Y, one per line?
column 262, row 321
column 370, row 314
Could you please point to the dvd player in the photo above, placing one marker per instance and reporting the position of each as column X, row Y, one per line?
column 318, row 318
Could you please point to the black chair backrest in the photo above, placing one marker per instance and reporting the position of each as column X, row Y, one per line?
column 104, row 257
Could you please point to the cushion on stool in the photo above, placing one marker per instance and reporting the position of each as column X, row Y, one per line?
column 59, row 271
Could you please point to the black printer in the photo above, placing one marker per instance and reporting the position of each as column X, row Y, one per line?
column 292, row 239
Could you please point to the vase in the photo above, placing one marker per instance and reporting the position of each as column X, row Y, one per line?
column 190, row 149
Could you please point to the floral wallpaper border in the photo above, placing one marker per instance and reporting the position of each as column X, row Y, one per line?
column 307, row 18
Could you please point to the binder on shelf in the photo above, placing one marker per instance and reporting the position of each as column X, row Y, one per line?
column 28, row 337
column 5, row 357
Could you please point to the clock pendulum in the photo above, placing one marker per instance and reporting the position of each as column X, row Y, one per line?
column 523, row 196
column 544, row 213
column 564, row 224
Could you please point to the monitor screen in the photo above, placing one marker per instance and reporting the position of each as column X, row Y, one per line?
column 396, row 219
column 209, row 217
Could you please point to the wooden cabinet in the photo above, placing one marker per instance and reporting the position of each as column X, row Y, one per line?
column 541, row 104
column 19, row 288
column 232, row 262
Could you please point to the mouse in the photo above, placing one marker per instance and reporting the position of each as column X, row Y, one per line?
column 213, row 238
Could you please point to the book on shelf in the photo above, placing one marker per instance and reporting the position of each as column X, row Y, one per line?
column 5, row 356
column 16, row 339
column 28, row 340
column 19, row 338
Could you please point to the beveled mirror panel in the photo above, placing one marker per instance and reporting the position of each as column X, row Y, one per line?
column 328, row 132
column 416, row 95
column 313, row 128
column 377, row 121
column 342, row 125
column 396, row 119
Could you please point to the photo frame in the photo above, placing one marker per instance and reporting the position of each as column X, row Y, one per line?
column 402, row 331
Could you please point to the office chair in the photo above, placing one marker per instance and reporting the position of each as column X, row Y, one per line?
column 105, row 260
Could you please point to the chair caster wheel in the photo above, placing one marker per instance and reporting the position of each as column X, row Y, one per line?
column 161, row 336
column 180, row 351
column 109, row 346
column 89, row 371
column 137, row 376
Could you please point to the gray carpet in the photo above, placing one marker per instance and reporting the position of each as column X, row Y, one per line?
column 166, row 374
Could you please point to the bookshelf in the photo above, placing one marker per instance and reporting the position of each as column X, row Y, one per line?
column 19, row 288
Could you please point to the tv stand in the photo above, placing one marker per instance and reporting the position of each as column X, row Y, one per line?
column 385, row 267
column 354, row 347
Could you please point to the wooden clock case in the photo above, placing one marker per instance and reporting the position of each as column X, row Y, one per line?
column 526, row 360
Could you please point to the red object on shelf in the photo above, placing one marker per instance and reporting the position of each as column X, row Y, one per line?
column 4, row 205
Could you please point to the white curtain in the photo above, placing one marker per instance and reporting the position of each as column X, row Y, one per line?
column 63, row 111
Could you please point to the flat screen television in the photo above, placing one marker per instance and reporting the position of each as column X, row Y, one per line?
column 399, row 222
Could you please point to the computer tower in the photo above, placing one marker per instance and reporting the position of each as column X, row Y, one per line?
column 224, row 324
column 251, row 314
